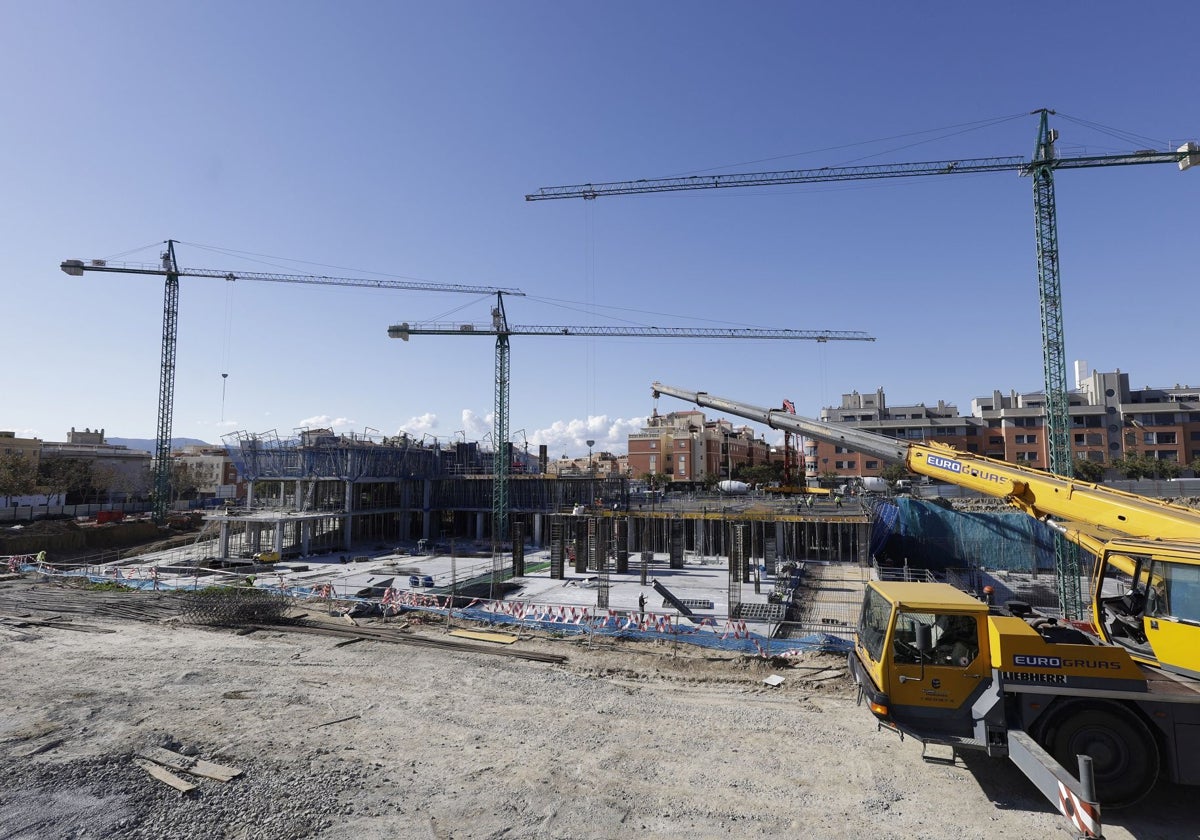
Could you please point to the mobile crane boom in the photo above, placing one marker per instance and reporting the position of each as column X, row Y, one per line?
column 1122, row 697
column 1040, row 170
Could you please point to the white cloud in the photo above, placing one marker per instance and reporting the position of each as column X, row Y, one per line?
column 324, row 421
column 417, row 426
column 570, row 437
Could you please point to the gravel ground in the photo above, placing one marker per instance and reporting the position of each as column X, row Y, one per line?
column 624, row 738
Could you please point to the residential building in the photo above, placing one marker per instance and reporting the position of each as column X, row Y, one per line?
column 30, row 448
column 1109, row 421
column 213, row 471
column 690, row 449
column 118, row 472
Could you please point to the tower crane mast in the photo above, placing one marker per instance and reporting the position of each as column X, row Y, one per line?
column 1040, row 169
column 170, row 270
column 502, row 330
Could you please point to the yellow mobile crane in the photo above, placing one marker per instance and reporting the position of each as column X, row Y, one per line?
column 1119, row 698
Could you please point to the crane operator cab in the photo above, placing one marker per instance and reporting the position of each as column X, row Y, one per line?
column 922, row 657
column 1148, row 601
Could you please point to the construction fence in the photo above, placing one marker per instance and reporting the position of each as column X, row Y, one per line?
column 780, row 639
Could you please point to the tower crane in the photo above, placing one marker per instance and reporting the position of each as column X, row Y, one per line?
column 1041, row 170
column 500, row 328
column 170, row 269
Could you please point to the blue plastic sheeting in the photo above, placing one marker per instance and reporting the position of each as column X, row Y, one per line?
column 702, row 636
column 887, row 515
column 930, row 536
column 707, row 635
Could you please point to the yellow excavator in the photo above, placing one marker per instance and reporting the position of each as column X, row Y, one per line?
column 1116, row 699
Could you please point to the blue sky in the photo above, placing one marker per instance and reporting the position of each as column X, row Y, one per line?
column 398, row 140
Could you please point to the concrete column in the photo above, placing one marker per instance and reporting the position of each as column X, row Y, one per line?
column 348, row 519
column 299, row 494
column 250, row 494
column 223, row 540
column 536, row 536
column 479, row 520
column 426, row 513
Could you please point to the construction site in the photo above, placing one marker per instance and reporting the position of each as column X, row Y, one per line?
column 365, row 524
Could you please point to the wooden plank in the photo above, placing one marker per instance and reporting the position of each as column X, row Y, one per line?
column 479, row 635
column 214, row 771
column 195, row 766
column 165, row 776
column 332, row 722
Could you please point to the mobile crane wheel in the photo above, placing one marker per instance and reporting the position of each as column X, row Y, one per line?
column 1125, row 754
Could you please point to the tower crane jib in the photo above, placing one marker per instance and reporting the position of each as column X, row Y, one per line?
column 1040, row 169
column 502, row 330
column 170, row 270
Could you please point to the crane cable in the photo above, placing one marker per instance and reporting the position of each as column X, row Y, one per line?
column 226, row 341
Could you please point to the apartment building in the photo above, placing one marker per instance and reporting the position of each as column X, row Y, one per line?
column 690, row 449
column 212, row 470
column 118, row 472
column 1109, row 421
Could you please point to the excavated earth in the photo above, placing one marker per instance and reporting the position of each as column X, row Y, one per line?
column 383, row 737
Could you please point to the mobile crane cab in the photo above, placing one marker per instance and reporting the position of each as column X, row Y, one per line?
column 1119, row 697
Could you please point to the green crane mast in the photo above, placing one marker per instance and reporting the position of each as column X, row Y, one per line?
column 166, row 384
column 1041, row 170
column 501, row 329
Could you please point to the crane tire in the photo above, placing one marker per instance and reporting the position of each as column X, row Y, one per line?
column 1125, row 754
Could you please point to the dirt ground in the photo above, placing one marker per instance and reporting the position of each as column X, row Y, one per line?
column 378, row 739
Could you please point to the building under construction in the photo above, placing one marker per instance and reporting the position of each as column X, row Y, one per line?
column 320, row 493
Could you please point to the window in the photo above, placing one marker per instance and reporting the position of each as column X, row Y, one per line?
column 1026, row 439
column 873, row 624
column 871, row 465
column 844, row 465
column 995, row 441
column 955, row 639
column 1026, row 457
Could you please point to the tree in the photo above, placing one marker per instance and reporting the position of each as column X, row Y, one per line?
column 1135, row 466
column 18, row 476
column 759, row 473
column 1087, row 470
column 894, row 472
column 186, row 479
column 654, row 480
column 1166, row 469
column 70, row 478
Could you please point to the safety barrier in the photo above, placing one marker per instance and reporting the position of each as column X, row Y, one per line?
column 722, row 634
